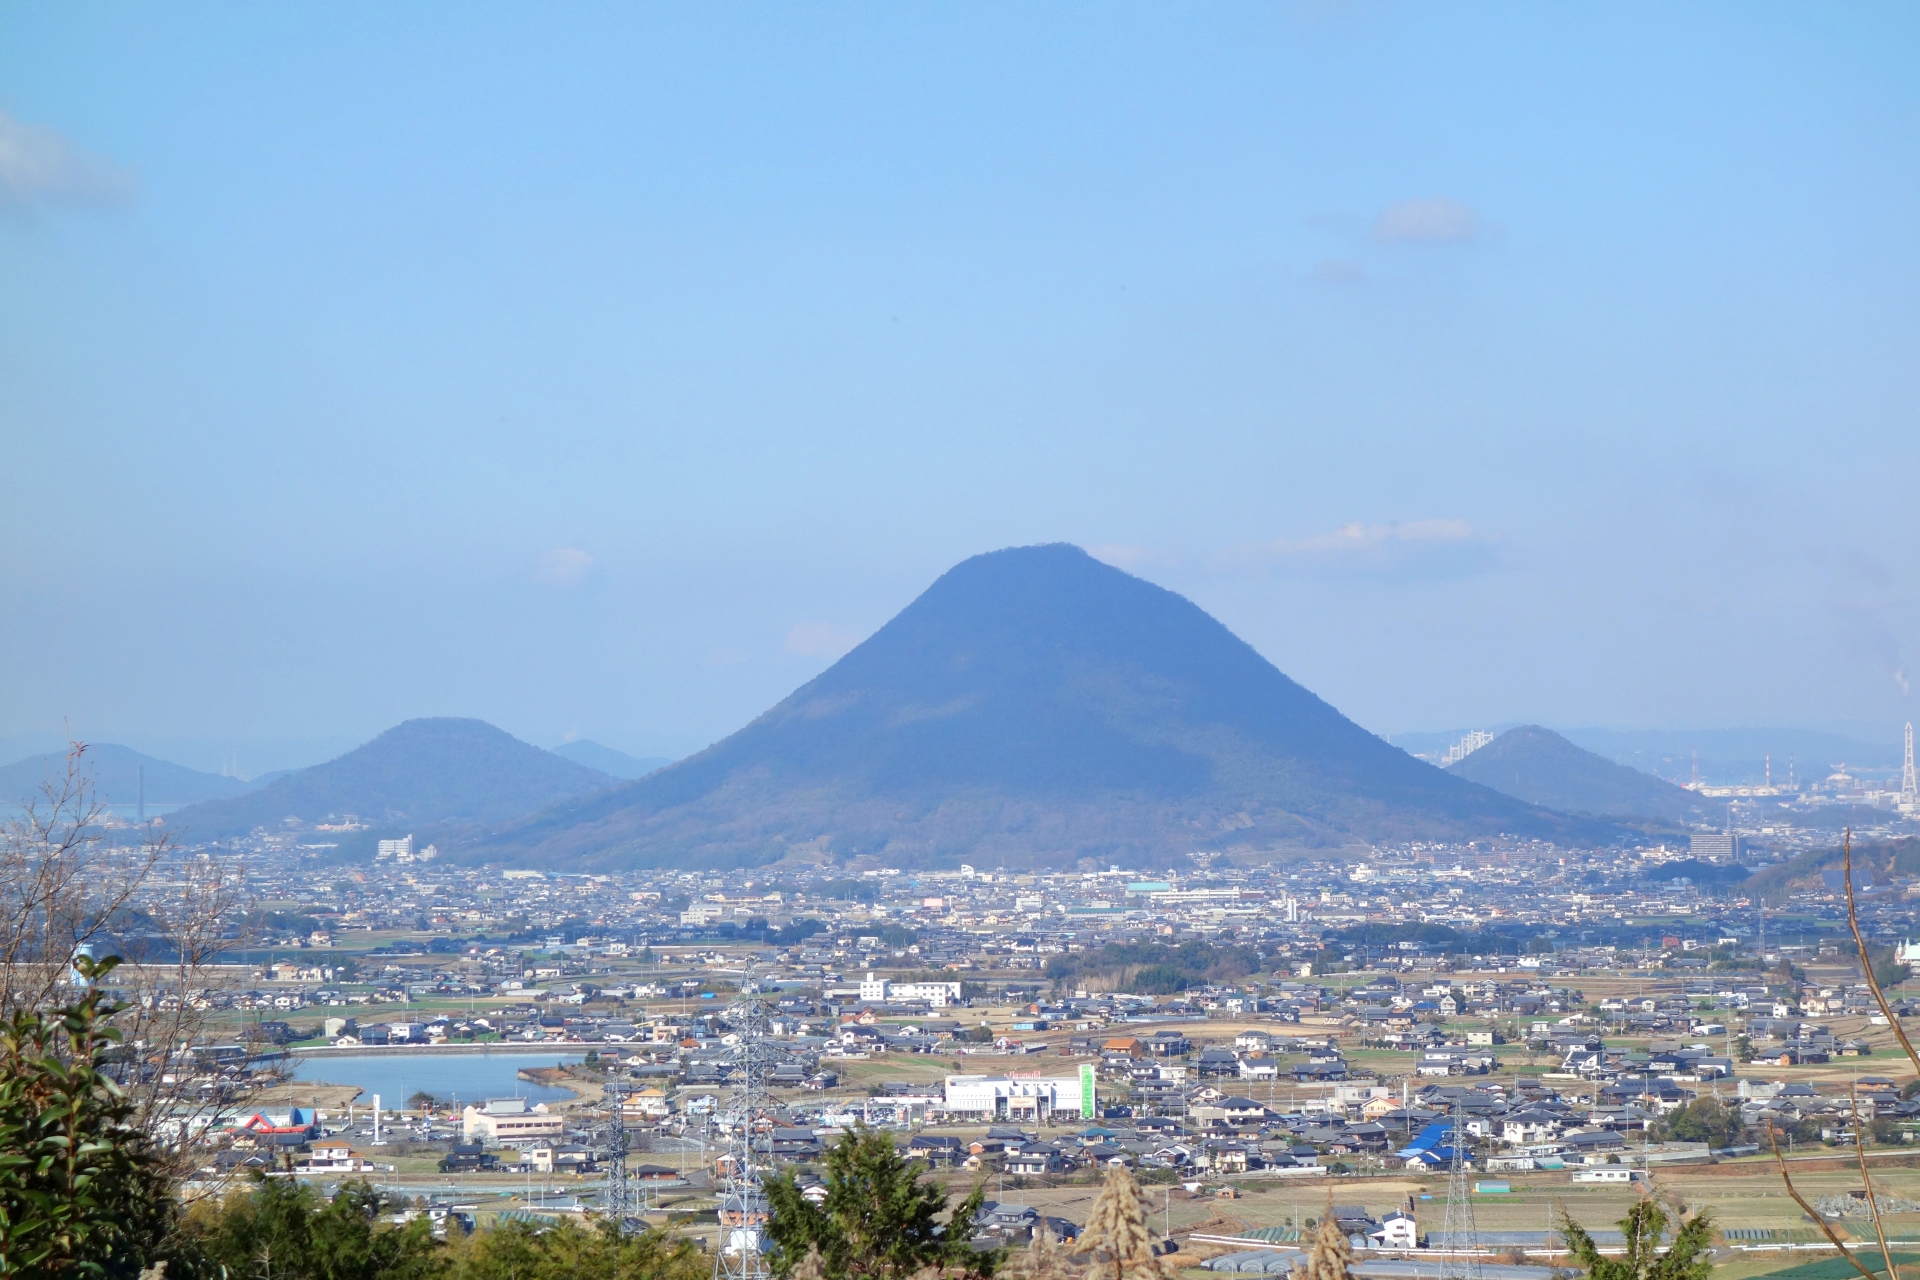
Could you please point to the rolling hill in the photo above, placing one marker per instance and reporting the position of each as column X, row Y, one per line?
column 1541, row 767
column 118, row 776
column 1032, row 706
column 419, row 773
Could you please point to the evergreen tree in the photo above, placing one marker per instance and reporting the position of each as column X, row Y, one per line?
column 82, row 1192
column 1707, row 1120
column 280, row 1228
column 1644, row 1226
column 877, row 1220
column 570, row 1251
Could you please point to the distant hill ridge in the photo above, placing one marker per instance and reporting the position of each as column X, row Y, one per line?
column 1033, row 705
column 421, row 772
column 118, row 774
column 610, row 760
column 1541, row 767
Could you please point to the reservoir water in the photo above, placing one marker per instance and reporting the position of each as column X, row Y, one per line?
column 469, row 1077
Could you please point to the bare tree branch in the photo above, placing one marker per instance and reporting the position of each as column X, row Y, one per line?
column 1866, row 960
column 1873, row 1201
column 1818, row 1220
column 71, row 884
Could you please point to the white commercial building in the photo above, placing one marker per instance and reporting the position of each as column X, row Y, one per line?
column 1022, row 1097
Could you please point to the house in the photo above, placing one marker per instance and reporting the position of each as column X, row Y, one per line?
column 646, row 1104
column 1016, row 1224
column 745, row 1210
column 1319, row 1072
column 1396, row 1231
column 333, row 1156
column 1222, row 1157
column 1169, row 1044
column 936, row 1149
column 1431, row 1148
column 544, row 1159
column 1593, row 1146
column 1232, row 1111
column 1522, row 1128
column 1218, row 1062
column 468, row 1158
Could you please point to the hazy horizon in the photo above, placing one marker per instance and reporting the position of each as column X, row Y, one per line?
column 610, row 372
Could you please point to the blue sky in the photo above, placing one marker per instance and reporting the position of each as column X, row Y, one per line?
column 608, row 370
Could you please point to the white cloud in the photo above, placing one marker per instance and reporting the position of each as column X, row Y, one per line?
column 566, row 566
column 1431, row 220
column 821, row 640
column 39, row 166
column 1413, row 548
column 1354, row 537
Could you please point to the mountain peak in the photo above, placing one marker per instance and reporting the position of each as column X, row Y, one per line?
column 1032, row 704
column 437, row 769
column 1539, row 766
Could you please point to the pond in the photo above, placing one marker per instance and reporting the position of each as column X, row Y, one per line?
column 466, row 1077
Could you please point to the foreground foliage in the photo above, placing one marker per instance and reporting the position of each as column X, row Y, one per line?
column 1117, row 1242
column 1644, row 1227
column 278, row 1229
column 82, row 1192
column 878, row 1218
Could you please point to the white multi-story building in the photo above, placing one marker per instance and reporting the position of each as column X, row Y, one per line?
column 937, row 995
column 401, row 848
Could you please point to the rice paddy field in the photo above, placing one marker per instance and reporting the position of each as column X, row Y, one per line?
column 1747, row 1199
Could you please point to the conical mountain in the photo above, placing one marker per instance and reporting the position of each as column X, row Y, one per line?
column 1541, row 767
column 420, row 772
column 1034, row 706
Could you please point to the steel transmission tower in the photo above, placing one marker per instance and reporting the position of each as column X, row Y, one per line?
column 624, row 1202
column 1462, row 1261
column 743, row 1201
